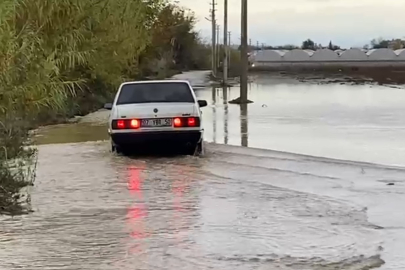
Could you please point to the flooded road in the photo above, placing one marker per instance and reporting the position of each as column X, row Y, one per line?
column 235, row 208
column 351, row 122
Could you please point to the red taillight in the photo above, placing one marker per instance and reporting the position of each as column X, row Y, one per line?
column 120, row 124
column 191, row 122
column 177, row 122
column 186, row 122
column 135, row 123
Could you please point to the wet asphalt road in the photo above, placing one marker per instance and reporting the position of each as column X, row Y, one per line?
column 235, row 208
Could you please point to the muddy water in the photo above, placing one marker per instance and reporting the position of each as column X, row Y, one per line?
column 235, row 208
column 95, row 210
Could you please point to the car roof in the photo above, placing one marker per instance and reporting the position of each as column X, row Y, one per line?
column 156, row 81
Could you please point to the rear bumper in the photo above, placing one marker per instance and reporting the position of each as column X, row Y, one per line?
column 157, row 137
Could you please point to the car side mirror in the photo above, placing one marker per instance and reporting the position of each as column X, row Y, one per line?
column 202, row 103
column 108, row 106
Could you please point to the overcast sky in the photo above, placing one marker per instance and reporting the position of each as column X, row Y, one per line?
column 277, row 22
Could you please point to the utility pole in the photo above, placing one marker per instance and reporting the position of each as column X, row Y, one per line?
column 229, row 49
column 257, row 45
column 213, row 49
column 225, row 61
column 244, row 54
column 214, row 111
column 218, row 47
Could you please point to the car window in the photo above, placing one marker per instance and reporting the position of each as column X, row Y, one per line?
column 155, row 92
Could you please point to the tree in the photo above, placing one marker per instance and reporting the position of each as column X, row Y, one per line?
column 175, row 43
column 287, row 47
column 333, row 47
column 398, row 44
column 378, row 43
column 308, row 45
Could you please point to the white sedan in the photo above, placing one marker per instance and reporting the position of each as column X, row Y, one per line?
column 150, row 113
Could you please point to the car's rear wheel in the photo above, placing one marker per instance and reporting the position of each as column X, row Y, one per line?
column 116, row 148
column 196, row 150
column 200, row 148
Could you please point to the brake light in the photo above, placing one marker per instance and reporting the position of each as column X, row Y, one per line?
column 191, row 122
column 135, row 123
column 177, row 122
column 186, row 122
column 120, row 124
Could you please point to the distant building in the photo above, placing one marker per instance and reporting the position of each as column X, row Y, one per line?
column 396, row 44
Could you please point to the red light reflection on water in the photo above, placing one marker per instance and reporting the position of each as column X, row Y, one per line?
column 135, row 181
column 178, row 205
column 179, row 186
column 182, row 177
column 138, row 211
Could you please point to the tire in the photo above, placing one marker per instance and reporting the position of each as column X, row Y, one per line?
column 198, row 150
column 189, row 150
column 112, row 147
column 116, row 148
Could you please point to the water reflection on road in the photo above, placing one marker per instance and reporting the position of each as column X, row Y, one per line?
column 244, row 125
column 214, row 113
column 225, row 91
column 243, row 119
column 351, row 122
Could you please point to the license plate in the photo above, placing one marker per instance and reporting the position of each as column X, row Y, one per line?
column 160, row 122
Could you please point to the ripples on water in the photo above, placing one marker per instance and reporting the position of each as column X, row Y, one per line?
column 95, row 210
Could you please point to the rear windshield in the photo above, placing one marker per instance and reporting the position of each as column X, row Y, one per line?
column 155, row 92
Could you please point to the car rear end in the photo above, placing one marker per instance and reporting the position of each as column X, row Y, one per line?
column 161, row 114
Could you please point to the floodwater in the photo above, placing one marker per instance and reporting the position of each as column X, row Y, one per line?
column 351, row 122
column 236, row 207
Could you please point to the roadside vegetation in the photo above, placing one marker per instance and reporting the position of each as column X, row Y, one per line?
column 64, row 58
column 234, row 64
